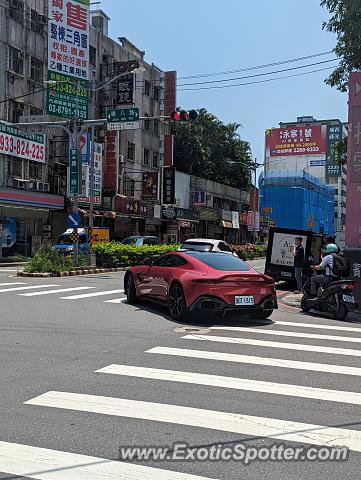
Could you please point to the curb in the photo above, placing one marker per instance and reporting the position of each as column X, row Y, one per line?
column 12, row 264
column 290, row 302
column 73, row 273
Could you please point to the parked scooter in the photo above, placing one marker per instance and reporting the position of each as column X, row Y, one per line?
column 336, row 298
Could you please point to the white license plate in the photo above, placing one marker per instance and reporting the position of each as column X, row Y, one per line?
column 286, row 274
column 243, row 300
column 348, row 299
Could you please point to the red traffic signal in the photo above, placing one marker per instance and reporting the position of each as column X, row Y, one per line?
column 184, row 116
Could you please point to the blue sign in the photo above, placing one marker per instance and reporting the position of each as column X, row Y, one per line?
column 73, row 220
column 317, row 163
column 8, row 232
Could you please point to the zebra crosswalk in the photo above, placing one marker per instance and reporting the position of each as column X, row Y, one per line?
column 162, row 403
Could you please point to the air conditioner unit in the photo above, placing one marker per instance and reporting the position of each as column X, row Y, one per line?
column 22, row 184
column 42, row 187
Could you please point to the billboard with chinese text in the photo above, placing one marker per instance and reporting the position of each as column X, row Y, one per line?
column 333, row 157
column 150, row 185
column 68, row 57
column 295, row 140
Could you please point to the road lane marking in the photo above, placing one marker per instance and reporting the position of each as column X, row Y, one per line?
column 94, row 294
column 282, row 333
column 15, row 289
column 116, row 300
column 46, row 464
column 208, row 419
column 59, row 290
column 235, row 383
column 287, row 346
column 249, row 359
column 318, row 326
column 12, row 283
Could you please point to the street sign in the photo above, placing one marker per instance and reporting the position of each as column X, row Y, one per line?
column 74, row 236
column 123, row 119
column 74, row 171
column 73, row 220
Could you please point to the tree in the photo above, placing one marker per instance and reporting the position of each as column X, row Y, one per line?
column 345, row 22
column 207, row 148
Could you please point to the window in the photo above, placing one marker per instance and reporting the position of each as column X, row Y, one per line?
column 15, row 168
column 16, row 110
column 178, row 261
column 147, row 124
column 146, row 156
column 156, row 127
column 131, row 151
column 220, row 261
column 156, row 93
column 36, row 70
column 16, row 10
column 37, row 22
column 224, row 247
column 147, row 88
column 151, row 241
column 199, row 246
column 155, row 160
column 35, row 170
column 165, row 261
column 130, row 187
column 16, row 61
column 92, row 55
column 35, row 111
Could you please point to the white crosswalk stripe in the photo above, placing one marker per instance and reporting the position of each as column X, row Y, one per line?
column 45, row 464
column 287, row 346
column 235, row 383
column 94, row 294
column 50, row 292
column 282, row 333
column 317, row 326
column 116, row 300
column 12, row 283
column 30, row 287
column 249, row 359
column 209, row 419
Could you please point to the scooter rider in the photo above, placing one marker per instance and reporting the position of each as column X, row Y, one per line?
column 327, row 264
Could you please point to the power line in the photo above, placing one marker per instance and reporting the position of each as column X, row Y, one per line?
column 245, row 69
column 255, row 82
column 22, row 96
column 258, row 74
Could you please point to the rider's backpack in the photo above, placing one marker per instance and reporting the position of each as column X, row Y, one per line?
column 341, row 266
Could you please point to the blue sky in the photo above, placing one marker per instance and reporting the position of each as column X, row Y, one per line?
column 203, row 36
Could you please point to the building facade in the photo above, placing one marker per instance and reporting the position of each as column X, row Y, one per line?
column 311, row 146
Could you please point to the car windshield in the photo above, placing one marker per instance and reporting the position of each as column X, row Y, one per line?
column 65, row 239
column 132, row 241
column 221, row 261
column 200, row 246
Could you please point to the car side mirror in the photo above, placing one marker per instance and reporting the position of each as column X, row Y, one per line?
column 148, row 261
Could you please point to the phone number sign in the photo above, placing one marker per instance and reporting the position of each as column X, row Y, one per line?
column 31, row 147
column 310, row 140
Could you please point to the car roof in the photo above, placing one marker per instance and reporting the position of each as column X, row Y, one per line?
column 203, row 240
column 143, row 236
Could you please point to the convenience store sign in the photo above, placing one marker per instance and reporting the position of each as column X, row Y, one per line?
column 29, row 147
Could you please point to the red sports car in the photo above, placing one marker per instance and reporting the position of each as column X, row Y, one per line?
column 202, row 281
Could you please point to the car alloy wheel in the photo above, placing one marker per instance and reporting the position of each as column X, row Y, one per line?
column 177, row 303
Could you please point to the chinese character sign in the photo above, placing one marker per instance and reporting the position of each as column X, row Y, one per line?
column 309, row 140
column 150, row 186
column 68, row 37
column 125, row 87
column 168, row 185
column 333, row 157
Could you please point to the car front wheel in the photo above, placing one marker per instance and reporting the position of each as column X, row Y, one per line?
column 177, row 302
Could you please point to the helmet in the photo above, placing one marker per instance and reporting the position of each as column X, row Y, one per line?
column 331, row 248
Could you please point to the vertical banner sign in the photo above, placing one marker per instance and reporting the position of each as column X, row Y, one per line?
column 333, row 158
column 169, row 185
column 125, row 90
column 74, row 171
column 97, row 177
column 150, row 186
column 85, row 148
column 68, row 57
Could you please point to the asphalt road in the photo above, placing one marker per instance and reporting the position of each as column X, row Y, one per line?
column 245, row 385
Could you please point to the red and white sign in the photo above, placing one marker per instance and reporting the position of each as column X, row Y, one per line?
column 309, row 140
column 30, row 148
column 68, row 37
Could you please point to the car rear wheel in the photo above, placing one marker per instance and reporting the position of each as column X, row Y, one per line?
column 177, row 302
column 266, row 314
column 130, row 289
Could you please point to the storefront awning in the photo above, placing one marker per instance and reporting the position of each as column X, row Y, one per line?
column 227, row 224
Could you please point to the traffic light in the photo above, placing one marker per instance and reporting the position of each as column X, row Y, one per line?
column 184, row 116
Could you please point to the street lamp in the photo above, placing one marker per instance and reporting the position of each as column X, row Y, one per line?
column 94, row 87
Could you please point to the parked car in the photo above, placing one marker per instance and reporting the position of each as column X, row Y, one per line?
column 206, row 245
column 139, row 240
column 65, row 245
column 191, row 280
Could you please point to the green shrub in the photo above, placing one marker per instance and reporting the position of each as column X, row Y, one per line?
column 249, row 251
column 114, row 254
column 48, row 260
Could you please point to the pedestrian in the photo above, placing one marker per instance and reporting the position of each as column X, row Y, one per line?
column 298, row 261
column 326, row 265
